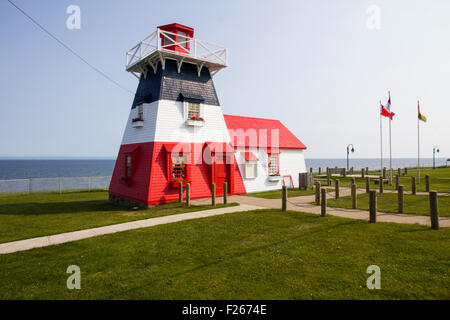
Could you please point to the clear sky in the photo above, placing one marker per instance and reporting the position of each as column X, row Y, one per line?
column 314, row 65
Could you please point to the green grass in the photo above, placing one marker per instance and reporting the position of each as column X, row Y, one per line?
column 29, row 216
column 276, row 194
column 439, row 180
column 265, row 254
column 387, row 202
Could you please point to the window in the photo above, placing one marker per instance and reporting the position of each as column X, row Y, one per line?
column 193, row 110
column 251, row 168
column 128, row 165
column 273, row 164
column 182, row 37
column 168, row 40
column 141, row 111
column 178, row 166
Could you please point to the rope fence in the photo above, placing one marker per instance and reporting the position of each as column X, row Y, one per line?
column 59, row 184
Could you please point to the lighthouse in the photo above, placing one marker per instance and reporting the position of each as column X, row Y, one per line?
column 176, row 132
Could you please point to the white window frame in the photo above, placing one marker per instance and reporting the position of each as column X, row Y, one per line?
column 251, row 169
column 270, row 164
column 140, row 111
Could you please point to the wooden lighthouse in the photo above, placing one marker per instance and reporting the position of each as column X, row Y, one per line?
column 176, row 131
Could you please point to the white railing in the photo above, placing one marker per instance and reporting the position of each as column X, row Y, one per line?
column 198, row 49
column 60, row 184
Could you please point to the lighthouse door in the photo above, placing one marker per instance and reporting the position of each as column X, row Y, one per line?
column 221, row 175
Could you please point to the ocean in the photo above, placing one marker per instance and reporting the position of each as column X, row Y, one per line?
column 24, row 169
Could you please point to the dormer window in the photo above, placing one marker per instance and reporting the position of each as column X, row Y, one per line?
column 193, row 110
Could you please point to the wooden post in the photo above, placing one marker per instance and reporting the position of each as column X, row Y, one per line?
column 405, row 171
column 400, row 199
column 427, row 183
column 284, row 198
column 317, row 193
column 367, row 184
column 353, row 181
column 434, row 210
column 362, row 173
column 180, row 192
column 367, row 170
column 354, row 201
column 213, row 194
column 396, row 181
column 381, row 184
column 320, row 170
column 188, row 195
column 373, row 206
column 311, row 171
column 398, row 172
column 225, row 193
column 413, row 185
column 384, row 173
column 336, row 189
column 323, row 209
column 328, row 181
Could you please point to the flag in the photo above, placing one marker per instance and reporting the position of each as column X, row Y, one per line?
column 421, row 116
column 386, row 109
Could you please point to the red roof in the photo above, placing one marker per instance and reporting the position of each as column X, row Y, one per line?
column 264, row 131
column 249, row 156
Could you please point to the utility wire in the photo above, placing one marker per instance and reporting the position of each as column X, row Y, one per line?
column 69, row 49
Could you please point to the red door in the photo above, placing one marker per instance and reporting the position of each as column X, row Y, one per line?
column 221, row 172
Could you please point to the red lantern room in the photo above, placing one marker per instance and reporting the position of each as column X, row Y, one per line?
column 176, row 37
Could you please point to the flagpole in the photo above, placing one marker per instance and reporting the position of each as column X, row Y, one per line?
column 418, row 144
column 390, row 152
column 381, row 143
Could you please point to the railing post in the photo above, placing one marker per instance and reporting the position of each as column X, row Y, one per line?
column 398, row 172
column 367, row 170
column 284, row 198
column 188, row 195
column 354, row 203
column 323, row 209
column 213, row 194
column 413, row 185
column 362, row 173
column 317, row 193
column 336, row 189
column 396, row 181
column 158, row 39
column 225, row 193
column 367, row 184
column 384, row 173
column 320, row 170
column 373, row 206
column 381, row 184
column 427, row 183
column 353, row 181
column 405, row 172
column 400, row 199
column 434, row 210
column 180, row 191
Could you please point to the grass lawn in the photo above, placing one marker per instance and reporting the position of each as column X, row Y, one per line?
column 276, row 194
column 387, row 202
column 439, row 180
column 265, row 254
column 29, row 216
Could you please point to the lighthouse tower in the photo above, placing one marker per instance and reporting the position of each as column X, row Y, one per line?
column 176, row 132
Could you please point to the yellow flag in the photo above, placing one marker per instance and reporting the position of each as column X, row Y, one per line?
column 421, row 116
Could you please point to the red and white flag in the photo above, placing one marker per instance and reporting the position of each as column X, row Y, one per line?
column 386, row 109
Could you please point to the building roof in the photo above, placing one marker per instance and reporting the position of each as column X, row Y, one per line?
column 256, row 137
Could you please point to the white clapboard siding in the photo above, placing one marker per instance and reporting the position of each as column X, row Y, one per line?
column 292, row 163
column 164, row 121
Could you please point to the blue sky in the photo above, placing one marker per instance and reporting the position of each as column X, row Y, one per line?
column 314, row 65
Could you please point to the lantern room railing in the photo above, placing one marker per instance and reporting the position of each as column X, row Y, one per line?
column 198, row 49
